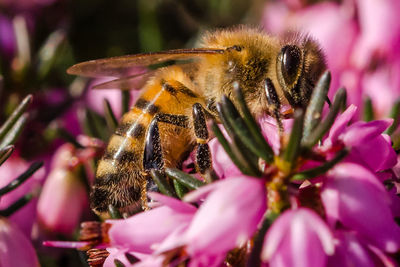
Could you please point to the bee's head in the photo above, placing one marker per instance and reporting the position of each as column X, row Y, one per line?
column 299, row 65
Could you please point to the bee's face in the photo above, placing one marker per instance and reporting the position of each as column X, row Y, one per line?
column 291, row 66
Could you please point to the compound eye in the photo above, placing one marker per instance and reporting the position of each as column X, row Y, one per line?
column 290, row 63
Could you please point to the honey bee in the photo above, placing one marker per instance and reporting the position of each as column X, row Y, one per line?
column 168, row 120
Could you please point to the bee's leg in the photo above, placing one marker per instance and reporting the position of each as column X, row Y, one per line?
column 274, row 105
column 203, row 155
column 152, row 159
column 153, row 156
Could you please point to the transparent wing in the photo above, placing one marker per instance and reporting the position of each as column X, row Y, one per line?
column 126, row 65
column 132, row 82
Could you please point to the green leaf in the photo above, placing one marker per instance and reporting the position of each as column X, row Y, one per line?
column 323, row 168
column 16, row 205
column 293, row 147
column 180, row 189
column 5, row 153
column 243, row 132
column 163, row 185
column 326, row 124
column 253, row 126
column 15, row 131
column 368, row 112
column 21, row 179
column 227, row 147
column 68, row 137
column 111, row 120
column 126, row 99
column 255, row 254
column 114, row 212
column 244, row 155
column 184, row 178
column 17, row 113
column 318, row 98
column 395, row 115
column 49, row 52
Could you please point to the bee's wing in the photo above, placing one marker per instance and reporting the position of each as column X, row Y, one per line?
column 123, row 65
column 132, row 82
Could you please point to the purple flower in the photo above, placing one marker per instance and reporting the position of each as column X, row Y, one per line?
column 369, row 146
column 7, row 38
column 298, row 238
column 350, row 250
column 354, row 196
column 9, row 170
column 15, row 248
column 218, row 215
column 64, row 196
column 144, row 231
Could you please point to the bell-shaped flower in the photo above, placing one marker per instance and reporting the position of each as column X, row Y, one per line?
column 15, row 248
column 144, row 231
column 229, row 215
column 369, row 146
column 298, row 238
column 355, row 197
column 63, row 197
column 350, row 250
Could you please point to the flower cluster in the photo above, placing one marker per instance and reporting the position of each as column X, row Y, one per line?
column 325, row 205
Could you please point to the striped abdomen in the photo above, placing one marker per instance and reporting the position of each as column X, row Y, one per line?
column 120, row 177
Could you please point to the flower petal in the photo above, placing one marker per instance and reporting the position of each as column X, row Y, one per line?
column 229, row 216
column 363, row 205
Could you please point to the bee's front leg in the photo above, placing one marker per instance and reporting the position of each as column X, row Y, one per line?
column 203, row 155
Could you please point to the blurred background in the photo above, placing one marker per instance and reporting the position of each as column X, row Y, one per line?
column 40, row 39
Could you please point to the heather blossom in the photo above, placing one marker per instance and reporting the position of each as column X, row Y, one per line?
column 346, row 207
column 15, row 247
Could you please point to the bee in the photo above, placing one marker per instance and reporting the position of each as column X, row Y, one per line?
column 168, row 120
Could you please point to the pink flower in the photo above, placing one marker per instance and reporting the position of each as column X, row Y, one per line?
column 7, row 38
column 145, row 231
column 95, row 98
column 229, row 215
column 369, row 146
column 350, row 250
column 15, row 248
column 298, row 238
column 64, row 196
column 356, row 198
column 9, row 170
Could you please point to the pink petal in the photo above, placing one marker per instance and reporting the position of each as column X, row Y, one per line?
column 362, row 132
column 15, row 248
column 222, row 163
column 173, row 203
column 229, row 216
column 62, row 201
column 143, row 231
column 361, row 203
column 340, row 125
column 350, row 251
column 374, row 16
column 116, row 254
column 297, row 238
